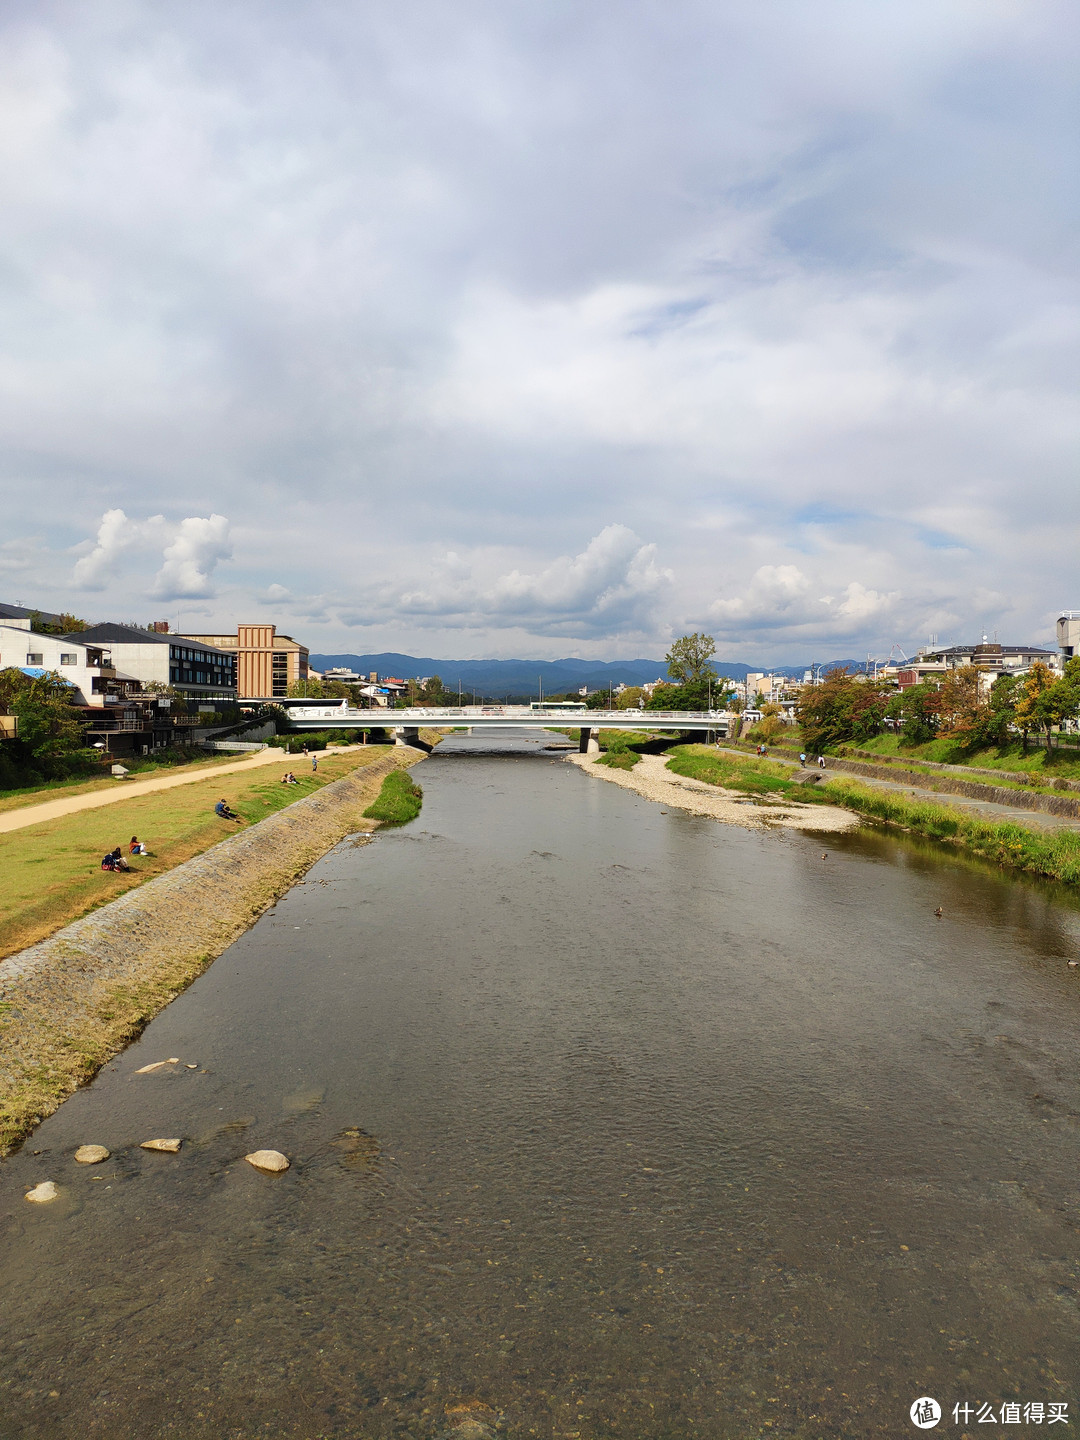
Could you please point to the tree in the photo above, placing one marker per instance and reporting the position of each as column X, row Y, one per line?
column 962, row 705
column 842, row 708
column 918, row 709
column 1030, row 708
column 1048, row 700
column 688, row 659
column 51, row 731
column 630, row 699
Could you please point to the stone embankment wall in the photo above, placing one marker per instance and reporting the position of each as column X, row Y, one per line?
column 950, row 784
column 69, row 1003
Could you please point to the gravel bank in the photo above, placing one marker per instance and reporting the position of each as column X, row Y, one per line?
column 651, row 777
column 68, row 1004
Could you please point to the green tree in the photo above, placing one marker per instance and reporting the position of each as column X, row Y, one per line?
column 843, row 708
column 689, row 657
column 630, row 699
column 919, row 711
column 1049, row 701
column 51, row 729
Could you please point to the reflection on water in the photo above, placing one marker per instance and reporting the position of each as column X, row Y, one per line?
column 603, row 1122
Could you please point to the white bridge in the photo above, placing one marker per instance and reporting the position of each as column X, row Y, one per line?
column 406, row 724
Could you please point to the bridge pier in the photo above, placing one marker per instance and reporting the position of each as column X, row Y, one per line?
column 588, row 742
column 406, row 734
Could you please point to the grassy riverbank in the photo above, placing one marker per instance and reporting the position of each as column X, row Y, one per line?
column 50, row 873
column 91, row 988
column 1054, row 854
column 398, row 801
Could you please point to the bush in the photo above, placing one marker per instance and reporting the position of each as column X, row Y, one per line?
column 620, row 759
column 398, row 801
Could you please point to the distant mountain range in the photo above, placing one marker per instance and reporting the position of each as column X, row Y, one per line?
column 494, row 678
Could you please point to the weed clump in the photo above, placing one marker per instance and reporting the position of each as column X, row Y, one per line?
column 397, row 802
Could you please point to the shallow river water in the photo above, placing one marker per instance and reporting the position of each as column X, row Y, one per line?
column 604, row 1121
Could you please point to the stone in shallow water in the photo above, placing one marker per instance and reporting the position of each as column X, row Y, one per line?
column 91, row 1154
column 267, row 1160
column 171, row 1146
column 43, row 1193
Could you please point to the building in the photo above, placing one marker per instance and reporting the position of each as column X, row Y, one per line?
column 137, row 658
column 266, row 663
column 987, row 656
column 83, row 666
column 1068, row 635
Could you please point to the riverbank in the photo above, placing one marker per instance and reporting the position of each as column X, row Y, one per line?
column 50, row 872
column 651, row 778
column 70, row 1003
column 1008, row 839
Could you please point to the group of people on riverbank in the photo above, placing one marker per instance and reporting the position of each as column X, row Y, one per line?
column 114, row 859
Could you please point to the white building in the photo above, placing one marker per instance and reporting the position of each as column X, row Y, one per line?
column 81, row 665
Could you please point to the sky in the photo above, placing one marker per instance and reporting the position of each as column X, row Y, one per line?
column 535, row 329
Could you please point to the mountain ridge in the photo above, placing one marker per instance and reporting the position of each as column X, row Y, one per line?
column 517, row 677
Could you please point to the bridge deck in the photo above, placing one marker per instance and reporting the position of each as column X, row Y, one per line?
column 504, row 717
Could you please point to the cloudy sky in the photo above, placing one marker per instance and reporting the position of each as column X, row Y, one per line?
column 543, row 328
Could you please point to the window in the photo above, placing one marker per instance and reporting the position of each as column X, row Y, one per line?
column 69, row 657
column 35, row 659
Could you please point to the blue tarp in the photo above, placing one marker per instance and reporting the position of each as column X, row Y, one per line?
column 37, row 671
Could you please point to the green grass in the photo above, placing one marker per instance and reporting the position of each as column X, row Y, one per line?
column 1035, row 761
column 619, row 759
column 1052, row 853
column 50, row 872
column 398, row 801
column 732, row 772
column 142, row 767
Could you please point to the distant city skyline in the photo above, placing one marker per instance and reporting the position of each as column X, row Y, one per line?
column 543, row 330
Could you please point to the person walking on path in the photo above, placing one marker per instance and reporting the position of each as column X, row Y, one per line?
column 821, row 762
column 802, row 759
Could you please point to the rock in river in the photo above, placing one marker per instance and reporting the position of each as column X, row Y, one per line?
column 91, row 1154
column 169, row 1145
column 267, row 1160
column 43, row 1193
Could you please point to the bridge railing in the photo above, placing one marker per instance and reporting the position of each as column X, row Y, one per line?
column 571, row 719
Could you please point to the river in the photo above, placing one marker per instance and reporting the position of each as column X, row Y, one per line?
column 604, row 1121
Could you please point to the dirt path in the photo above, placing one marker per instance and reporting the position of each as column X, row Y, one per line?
column 126, row 789
column 651, row 778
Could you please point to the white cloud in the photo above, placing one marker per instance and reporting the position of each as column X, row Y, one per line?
column 116, row 536
column 200, row 545
column 390, row 283
column 614, row 585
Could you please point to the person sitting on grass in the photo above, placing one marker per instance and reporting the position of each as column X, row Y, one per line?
column 114, row 860
column 222, row 809
column 136, row 847
column 289, row 778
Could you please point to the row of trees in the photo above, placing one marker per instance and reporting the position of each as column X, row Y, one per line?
column 847, row 708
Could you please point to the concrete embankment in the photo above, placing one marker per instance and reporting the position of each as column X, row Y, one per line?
column 68, row 1004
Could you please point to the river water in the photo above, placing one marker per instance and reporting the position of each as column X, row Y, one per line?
column 604, row 1121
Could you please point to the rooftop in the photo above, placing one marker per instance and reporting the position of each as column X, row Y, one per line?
column 111, row 634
